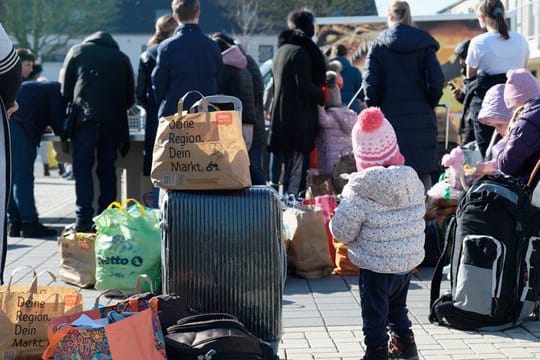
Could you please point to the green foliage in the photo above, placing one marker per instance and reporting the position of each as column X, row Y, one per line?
column 47, row 26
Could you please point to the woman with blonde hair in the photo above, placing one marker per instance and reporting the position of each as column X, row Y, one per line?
column 165, row 27
column 404, row 78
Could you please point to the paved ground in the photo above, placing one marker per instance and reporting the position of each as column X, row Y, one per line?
column 321, row 317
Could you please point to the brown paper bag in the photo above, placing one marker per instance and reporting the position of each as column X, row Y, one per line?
column 77, row 258
column 344, row 266
column 307, row 253
column 200, row 151
column 25, row 311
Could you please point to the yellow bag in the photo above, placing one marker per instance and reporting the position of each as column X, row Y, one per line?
column 25, row 311
column 200, row 151
column 51, row 154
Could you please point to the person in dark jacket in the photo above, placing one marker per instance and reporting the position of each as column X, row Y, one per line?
column 40, row 105
column 404, row 78
column 165, row 27
column 352, row 80
column 10, row 81
column 189, row 60
column 464, row 95
column 299, row 73
column 98, row 77
column 522, row 150
column 241, row 78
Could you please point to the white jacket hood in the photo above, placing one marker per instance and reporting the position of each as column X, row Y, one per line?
column 379, row 183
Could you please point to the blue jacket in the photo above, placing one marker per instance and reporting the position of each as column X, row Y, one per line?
column 189, row 60
column 40, row 104
column 522, row 150
column 404, row 78
column 352, row 82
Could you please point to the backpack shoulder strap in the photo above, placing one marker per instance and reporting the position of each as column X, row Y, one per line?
column 443, row 259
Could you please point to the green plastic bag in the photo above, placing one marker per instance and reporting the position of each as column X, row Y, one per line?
column 128, row 244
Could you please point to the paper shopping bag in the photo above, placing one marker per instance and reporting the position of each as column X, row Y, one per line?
column 307, row 253
column 77, row 258
column 25, row 311
column 200, row 151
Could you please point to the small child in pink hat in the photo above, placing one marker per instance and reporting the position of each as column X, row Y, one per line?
column 522, row 150
column 381, row 217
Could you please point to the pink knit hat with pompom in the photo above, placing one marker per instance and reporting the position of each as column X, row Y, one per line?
column 521, row 86
column 374, row 141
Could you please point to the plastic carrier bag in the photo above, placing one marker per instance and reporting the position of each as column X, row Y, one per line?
column 128, row 244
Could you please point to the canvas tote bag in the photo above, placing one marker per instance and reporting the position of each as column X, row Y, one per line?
column 200, row 150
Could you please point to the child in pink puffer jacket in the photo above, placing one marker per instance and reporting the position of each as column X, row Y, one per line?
column 336, row 123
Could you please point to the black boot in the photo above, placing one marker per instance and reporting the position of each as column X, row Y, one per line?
column 36, row 229
column 46, row 169
column 61, row 169
column 403, row 348
column 14, row 229
column 379, row 353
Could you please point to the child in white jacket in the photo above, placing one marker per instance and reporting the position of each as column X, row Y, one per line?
column 381, row 216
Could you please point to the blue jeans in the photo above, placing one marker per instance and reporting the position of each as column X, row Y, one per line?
column 383, row 298
column 89, row 141
column 22, row 205
column 255, row 168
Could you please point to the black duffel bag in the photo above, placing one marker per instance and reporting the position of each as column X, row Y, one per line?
column 214, row 336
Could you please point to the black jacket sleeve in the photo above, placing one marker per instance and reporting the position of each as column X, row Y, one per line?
column 306, row 88
column 371, row 78
column 434, row 77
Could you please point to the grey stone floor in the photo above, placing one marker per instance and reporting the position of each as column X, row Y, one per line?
column 321, row 317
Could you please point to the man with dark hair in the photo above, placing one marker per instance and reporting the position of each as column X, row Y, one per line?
column 352, row 79
column 99, row 78
column 299, row 74
column 188, row 60
column 27, row 62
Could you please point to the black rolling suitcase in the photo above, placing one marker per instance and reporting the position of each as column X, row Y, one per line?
column 223, row 252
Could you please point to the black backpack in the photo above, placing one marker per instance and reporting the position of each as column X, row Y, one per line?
column 214, row 336
column 493, row 249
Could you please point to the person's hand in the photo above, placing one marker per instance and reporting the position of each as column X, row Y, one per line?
column 458, row 94
column 14, row 107
column 481, row 170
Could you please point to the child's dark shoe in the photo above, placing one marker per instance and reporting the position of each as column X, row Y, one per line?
column 379, row 353
column 402, row 348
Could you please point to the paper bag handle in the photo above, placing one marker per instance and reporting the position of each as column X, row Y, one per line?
column 114, row 292
column 533, row 175
column 16, row 271
column 54, row 340
column 33, row 286
column 180, row 106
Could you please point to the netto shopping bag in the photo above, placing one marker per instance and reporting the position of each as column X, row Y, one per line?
column 25, row 311
column 128, row 244
column 200, row 151
column 77, row 258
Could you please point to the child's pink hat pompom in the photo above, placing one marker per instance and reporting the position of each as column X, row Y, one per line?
column 370, row 119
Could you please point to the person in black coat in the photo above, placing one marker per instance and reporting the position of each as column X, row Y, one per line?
column 404, row 78
column 299, row 73
column 40, row 105
column 250, row 90
column 10, row 81
column 98, row 77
